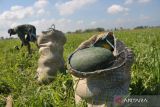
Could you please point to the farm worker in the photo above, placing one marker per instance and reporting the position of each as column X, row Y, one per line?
column 26, row 33
column 100, row 88
column 51, row 59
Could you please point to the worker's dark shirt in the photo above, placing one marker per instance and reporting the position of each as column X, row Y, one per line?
column 25, row 29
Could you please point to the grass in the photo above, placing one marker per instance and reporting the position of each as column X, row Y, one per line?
column 17, row 70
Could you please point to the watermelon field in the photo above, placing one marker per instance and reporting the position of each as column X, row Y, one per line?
column 17, row 70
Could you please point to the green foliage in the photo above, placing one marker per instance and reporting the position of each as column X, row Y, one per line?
column 95, row 30
column 17, row 70
column 146, row 68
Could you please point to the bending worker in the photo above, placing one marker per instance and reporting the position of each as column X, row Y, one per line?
column 26, row 33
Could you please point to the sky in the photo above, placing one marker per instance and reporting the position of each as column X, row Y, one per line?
column 70, row 15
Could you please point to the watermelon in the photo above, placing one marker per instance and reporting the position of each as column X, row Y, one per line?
column 91, row 59
column 100, row 43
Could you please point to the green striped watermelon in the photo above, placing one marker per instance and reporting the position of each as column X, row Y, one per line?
column 91, row 59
